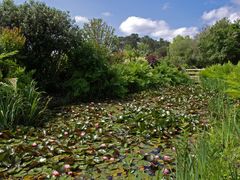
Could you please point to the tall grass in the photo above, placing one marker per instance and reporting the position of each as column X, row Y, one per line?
column 34, row 105
column 214, row 153
column 20, row 105
column 10, row 106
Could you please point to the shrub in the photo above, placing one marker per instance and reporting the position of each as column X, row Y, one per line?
column 20, row 101
column 11, row 39
column 8, row 67
column 90, row 76
column 170, row 75
column 136, row 76
column 183, row 51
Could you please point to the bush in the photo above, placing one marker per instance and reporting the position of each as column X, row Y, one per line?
column 183, row 51
column 152, row 59
column 11, row 39
column 136, row 76
column 170, row 75
column 90, row 76
column 20, row 101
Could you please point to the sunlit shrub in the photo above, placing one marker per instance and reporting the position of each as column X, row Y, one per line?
column 136, row 76
column 11, row 39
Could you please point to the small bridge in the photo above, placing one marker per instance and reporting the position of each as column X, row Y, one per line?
column 194, row 74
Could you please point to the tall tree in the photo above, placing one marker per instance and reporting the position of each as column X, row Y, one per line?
column 162, row 50
column 131, row 40
column 98, row 32
column 220, row 43
column 152, row 44
column 48, row 37
column 183, row 51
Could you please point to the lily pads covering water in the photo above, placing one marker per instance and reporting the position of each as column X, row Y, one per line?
column 105, row 140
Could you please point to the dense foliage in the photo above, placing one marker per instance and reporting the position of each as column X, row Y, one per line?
column 224, row 78
column 183, row 51
column 144, row 45
column 136, row 76
column 20, row 101
column 11, row 41
column 48, row 38
column 220, row 43
column 90, row 75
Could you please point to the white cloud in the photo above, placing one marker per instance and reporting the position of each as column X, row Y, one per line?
column 107, row 14
column 81, row 20
column 154, row 28
column 214, row 15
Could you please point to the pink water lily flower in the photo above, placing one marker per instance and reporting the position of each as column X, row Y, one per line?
column 55, row 173
column 165, row 171
column 103, row 145
column 112, row 159
column 166, row 158
column 105, row 158
column 70, row 173
column 67, row 166
column 34, row 144
column 82, row 133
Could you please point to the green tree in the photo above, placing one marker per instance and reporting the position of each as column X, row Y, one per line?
column 162, row 49
column 220, row 43
column 144, row 45
column 131, row 40
column 143, row 49
column 183, row 51
column 48, row 38
column 152, row 44
column 97, row 31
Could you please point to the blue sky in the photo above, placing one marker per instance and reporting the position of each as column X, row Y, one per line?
column 156, row 18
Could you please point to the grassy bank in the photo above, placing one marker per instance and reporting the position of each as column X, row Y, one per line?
column 215, row 152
